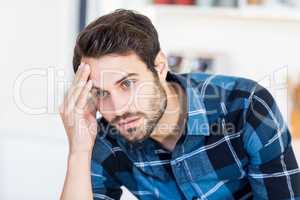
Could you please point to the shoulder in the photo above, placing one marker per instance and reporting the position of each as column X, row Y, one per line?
column 225, row 98
column 228, row 83
column 215, row 89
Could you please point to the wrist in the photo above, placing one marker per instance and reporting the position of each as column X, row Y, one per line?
column 75, row 150
column 79, row 155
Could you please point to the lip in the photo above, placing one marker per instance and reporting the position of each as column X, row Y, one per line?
column 128, row 122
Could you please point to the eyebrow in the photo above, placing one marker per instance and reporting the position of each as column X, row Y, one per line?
column 118, row 81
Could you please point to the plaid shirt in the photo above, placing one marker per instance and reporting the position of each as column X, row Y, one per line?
column 235, row 145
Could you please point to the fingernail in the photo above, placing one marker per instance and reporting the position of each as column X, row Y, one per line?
column 81, row 65
column 84, row 67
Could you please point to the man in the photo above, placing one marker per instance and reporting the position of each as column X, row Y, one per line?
column 164, row 135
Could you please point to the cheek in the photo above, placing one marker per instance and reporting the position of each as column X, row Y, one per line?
column 108, row 116
column 145, row 98
column 142, row 104
column 121, row 103
column 106, row 109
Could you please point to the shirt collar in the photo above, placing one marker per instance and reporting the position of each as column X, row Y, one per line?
column 197, row 122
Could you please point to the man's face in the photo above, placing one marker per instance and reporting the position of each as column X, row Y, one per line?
column 127, row 94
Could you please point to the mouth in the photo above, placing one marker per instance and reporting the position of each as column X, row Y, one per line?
column 129, row 122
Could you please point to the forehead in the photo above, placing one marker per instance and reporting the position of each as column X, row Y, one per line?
column 114, row 66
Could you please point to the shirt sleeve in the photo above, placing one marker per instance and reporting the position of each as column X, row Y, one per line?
column 273, row 171
column 104, row 186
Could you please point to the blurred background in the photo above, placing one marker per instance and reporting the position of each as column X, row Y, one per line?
column 257, row 39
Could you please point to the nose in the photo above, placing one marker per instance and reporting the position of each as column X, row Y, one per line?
column 120, row 103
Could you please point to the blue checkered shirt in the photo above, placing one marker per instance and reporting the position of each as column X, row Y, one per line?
column 235, row 145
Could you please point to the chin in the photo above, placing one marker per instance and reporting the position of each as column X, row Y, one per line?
column 134, row 137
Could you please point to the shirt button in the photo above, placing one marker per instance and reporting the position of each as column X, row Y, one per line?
column 196, row 198
column 178, row 164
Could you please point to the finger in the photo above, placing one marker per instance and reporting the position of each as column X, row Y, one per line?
column 73, row 93
column 78, row 88
column 81, row 80
column 90, row 114
column 90, row 109
column 78, row 73
column 76, row 80
column 68, row 94
column 83, row 97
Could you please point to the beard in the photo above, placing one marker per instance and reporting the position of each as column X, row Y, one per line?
column 150, row 117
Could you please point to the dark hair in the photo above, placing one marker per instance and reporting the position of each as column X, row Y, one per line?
column 120, row 32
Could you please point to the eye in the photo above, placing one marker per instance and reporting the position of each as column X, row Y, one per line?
column 127, row 83
column 102, row 93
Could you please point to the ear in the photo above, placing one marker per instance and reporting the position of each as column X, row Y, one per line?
column 161, row 65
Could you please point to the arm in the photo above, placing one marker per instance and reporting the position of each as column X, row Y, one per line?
column 84, row 178
column 78, row 114
column 77, row 183
column 273, row 171
column 89, row 180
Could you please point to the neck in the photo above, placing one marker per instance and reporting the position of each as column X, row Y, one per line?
column 171, row 125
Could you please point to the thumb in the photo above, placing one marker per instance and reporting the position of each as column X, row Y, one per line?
column 90, row 115
column 90, row 109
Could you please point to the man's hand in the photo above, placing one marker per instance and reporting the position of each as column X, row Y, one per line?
column 78, row 113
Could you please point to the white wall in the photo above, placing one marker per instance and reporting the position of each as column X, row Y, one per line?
column 37, row 40
column 255, row 46
column 34, row 35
